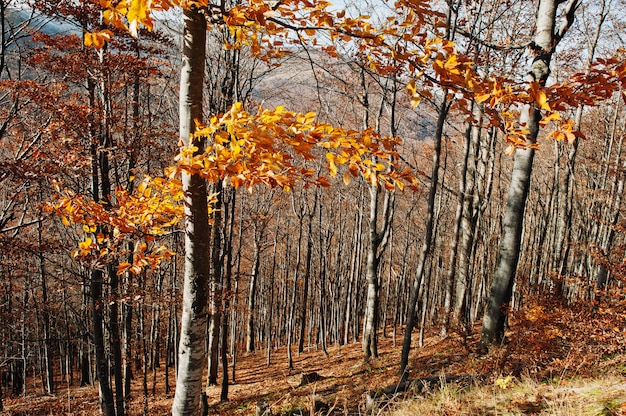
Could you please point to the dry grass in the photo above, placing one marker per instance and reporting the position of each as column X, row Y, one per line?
column 509, row 396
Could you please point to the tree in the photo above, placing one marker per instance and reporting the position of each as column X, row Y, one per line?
column 192, row 353
column 547, row 37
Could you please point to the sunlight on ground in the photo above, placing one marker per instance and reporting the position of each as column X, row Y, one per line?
column 606, row 396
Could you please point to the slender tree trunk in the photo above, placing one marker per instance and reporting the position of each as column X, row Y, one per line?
column 105, row 199
column 426, row 245
column 100, row 186
column 47, row 348
column 271, row 290
column 191, row 351
column 307, row 276
column 566, row 191
column 469, row 204
column 250, row 327
column 233, row 337
column 115, row 340
column 102, row 367
column 546, row 39
column 377, row 242
column 607, row 238
column 215, row 312
column 127, row 307
column 369, row 343
column 454, row 245
column 228, row 249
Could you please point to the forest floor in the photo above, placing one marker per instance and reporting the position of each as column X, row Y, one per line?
column 564, row 361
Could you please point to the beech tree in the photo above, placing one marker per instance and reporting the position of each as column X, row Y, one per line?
column 192, row 355
column 547, row 37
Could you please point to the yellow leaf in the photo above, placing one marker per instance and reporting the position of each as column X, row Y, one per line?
column 542, row 100
column 85, row 245
column 332, row 167
column 89, row 39
column 346, row 178
column 65, row 221
column 481, row 98
column 504, row 383
column 411, row 87
column 138, row 13
column 415, row 97
column 100, row 238
column 86, row 228
column 98, row 39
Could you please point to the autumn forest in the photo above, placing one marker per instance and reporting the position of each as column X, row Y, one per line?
column 196, row 195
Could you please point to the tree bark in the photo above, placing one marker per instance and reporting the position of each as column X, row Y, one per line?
column 426, row 244
column 102, row 367
column 228, row 251
column 215, row 312
column 191, row 352
column 545, row 41
column 47, row 344
column 377, row 242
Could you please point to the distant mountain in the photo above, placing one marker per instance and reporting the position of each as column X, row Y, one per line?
column 17, row 18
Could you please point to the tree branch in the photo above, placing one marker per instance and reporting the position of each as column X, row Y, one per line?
column 570, row 15
column 492, row 45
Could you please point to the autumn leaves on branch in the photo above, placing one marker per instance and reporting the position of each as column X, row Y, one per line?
column 280, row 148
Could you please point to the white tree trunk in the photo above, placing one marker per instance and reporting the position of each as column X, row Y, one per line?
column 192, row 352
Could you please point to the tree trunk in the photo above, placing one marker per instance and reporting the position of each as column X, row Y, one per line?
column 546, row 39
column 426, row 245
column 307, row 276
column 228, row 251
column 215, row 312
column 47, row 347
column 377, row 242
column 101, row 189
column 250, row 330
column 115, row 340
column 566, row 191
column 191, row 352
column 102, row 367
column 468, row 220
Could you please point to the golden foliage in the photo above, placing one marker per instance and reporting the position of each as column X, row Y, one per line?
column 153, row 210
column 277, row 147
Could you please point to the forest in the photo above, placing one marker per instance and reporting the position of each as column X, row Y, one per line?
column 319, row 207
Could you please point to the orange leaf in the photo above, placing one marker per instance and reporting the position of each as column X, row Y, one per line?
column 122, row 267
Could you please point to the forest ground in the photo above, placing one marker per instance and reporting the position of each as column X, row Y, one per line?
column 558, row 360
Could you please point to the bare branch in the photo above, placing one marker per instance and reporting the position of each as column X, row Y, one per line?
column 570, row 14
column 491, row 45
